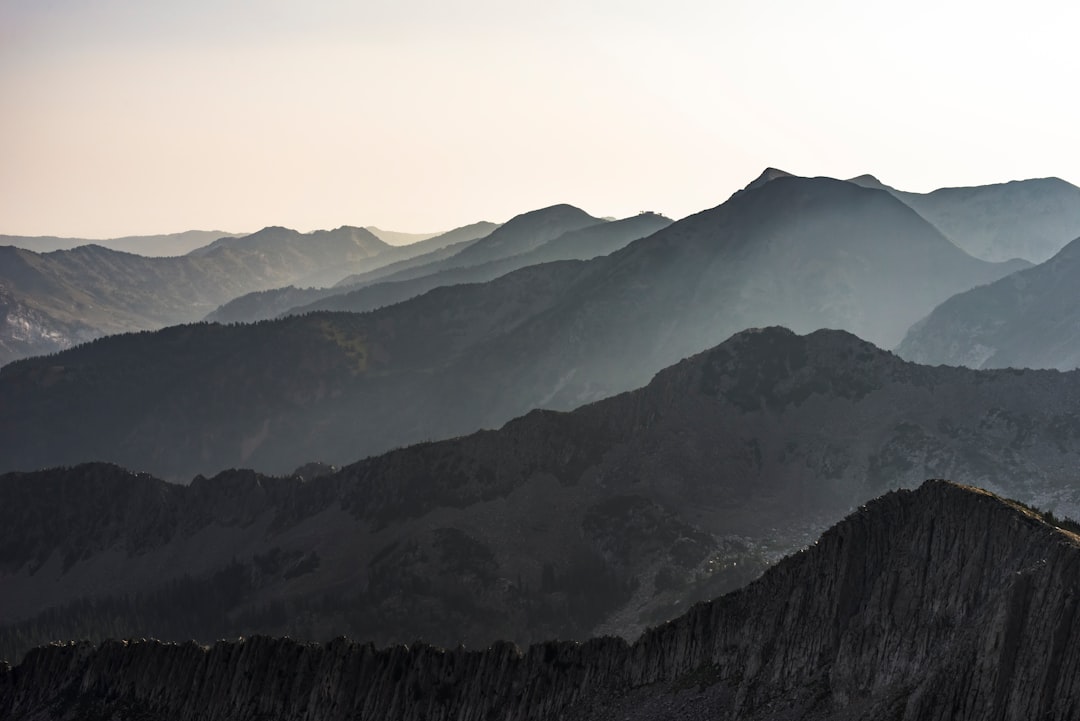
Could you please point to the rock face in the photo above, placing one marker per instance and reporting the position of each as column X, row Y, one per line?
column 1025, row 320
column 941, row 603
column 599, row 521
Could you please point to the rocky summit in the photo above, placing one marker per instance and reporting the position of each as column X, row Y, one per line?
column 945, row 602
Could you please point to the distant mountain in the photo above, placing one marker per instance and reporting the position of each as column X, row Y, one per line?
column 394, row 237
column 151, row 246
column 940, row 603
column 1029, row 219
column 51, row 301
column 266, row 304
column 1029, row 319
column 54, row 300
column 603, row 520
column 583, row 244
column 520, row 234
column 808, row 253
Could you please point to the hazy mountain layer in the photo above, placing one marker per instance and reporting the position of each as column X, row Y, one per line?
column 1029, row 319
column 151, row 246
column 516, row 244
column 266, row 304
column 605, row 519
column 54, row 300
column 583, row 244
column 940, row 603
column 394, row 237
column 1029, row 219
column 810, row 253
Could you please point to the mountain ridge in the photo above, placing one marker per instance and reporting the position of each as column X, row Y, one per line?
column 842, row 630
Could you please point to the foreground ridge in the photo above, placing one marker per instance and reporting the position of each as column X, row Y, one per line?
column 946, row 602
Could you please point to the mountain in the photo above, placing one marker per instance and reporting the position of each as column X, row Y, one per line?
column 1028, row 219
column 603, row 520
column 266, row 304
column 54, row 300
column 808, row 253
column 520, row 234
column 583, row 244
column 941, row 603
column 394, row 237
column 1025, row 320
column 151, row 246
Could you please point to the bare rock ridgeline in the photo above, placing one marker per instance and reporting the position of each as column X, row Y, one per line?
column 941, row 603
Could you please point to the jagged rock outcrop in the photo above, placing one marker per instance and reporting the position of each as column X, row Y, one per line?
column 942, row 603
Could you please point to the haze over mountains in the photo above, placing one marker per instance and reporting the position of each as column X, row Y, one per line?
column 1028, row 219
column 941, row 603
column 1026, row 320
column 53, row 300
column 151, row 246
column 806, row 253
column 538, row 236
column 637, row 466
column 602, row 520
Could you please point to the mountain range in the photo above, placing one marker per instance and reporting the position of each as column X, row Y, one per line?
column 603, row 520
column 558, row 232
column 941, row 603
column 803, row 252
column 151, row 246
column 50, row 301
column 1028, row 219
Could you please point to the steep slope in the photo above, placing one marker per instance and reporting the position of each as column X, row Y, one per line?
column 1029, row 219
column 941, row 603
column 266, row 304
column 809, row 253
column 604, row 519
column 151, row 246
column 588, row 242
column 1026, row 320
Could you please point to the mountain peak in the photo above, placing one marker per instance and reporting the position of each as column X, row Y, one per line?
column 767, row 176
column 866, row 180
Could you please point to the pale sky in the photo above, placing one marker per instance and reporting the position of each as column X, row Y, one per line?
column 122, row 117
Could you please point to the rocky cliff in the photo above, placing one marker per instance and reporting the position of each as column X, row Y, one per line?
column 942, row 603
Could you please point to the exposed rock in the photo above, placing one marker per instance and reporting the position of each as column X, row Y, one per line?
column 941, row 603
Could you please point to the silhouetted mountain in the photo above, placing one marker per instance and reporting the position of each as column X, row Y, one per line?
column 810, row 253
column 588, row 242
column 151, row 246
column 1029, row 219
column 941, row 603
column 266, row 304
column 602, row 520
column 1030, row 319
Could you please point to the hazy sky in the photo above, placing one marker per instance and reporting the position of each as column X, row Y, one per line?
column 144, row 116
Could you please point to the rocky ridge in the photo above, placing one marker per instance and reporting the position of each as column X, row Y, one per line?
column 941, row 603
